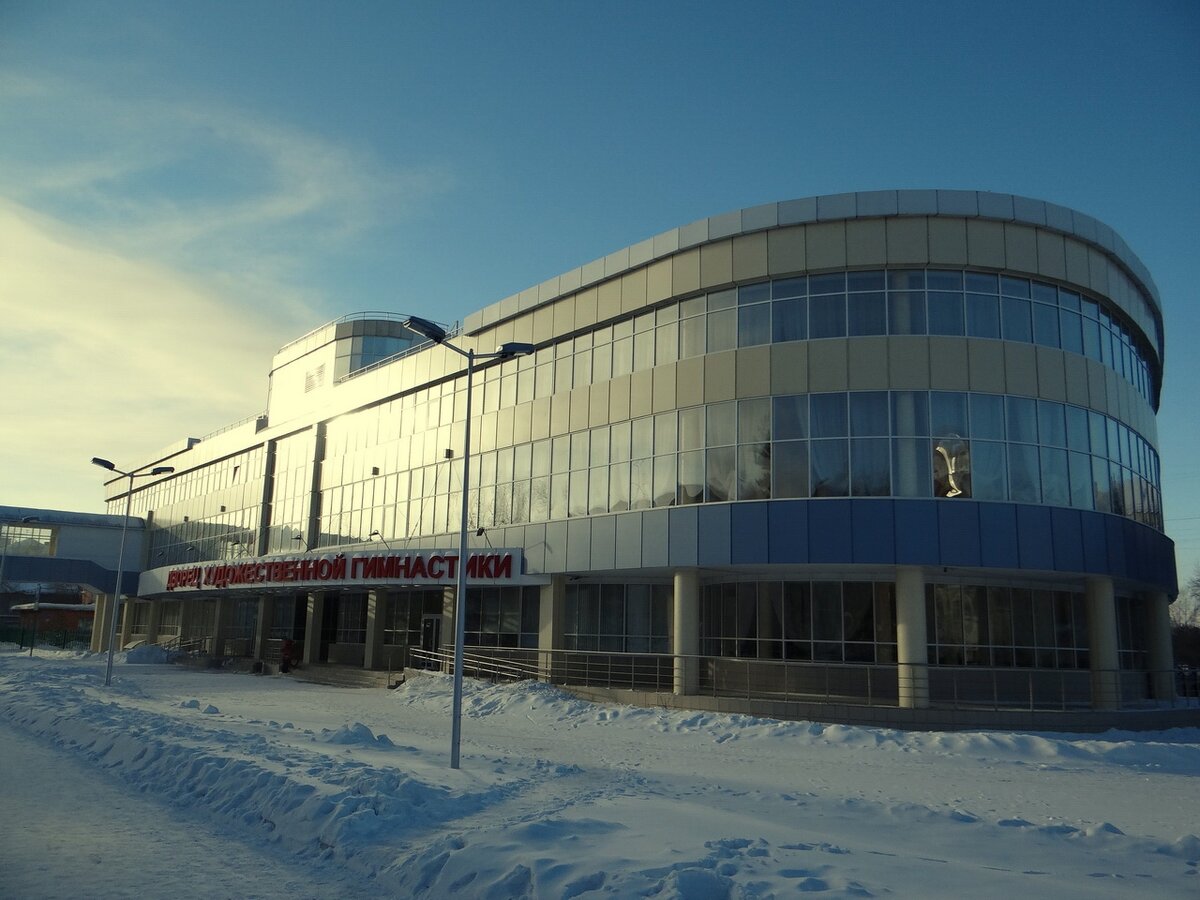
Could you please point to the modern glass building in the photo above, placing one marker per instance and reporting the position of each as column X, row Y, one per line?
column 888, row 451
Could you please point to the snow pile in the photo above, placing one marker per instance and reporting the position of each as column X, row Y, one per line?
column 562, row 798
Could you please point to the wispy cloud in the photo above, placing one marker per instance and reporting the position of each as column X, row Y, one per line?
column 152, row 258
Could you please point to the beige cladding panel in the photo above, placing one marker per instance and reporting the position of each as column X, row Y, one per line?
column 523, row 328
column 608, row 305
column 1078, row 268
column 947, row 242
column 866, row 242
column 753, row 372
column 560, row 414
column 633, row 291
column 543, row 324
column 685, row 272
column 867, row 358
column 786, row 250
column 908, row 363
column 720, row 372
column 564, row 316
column 1052, row 374
column 828, row 366
column 689, row 381
column 1020, row 248
column 658, row 281
column 586, row 308
column 1020, row 369
column 750, row 257
column 948, row 364
column 789, row 368
column 1052, row 255
column 716, row 264
column 985, row 243
column 1097, row 386
column 826, row 246
column 618, row 399
column 641, row 393
column 1097, row 271
column 581, row 407
column 985, row 366
column 598, row 404
column 523, row 423
column 540, row 418
column 664, row 387
column 1075, row 367
column 907, row 241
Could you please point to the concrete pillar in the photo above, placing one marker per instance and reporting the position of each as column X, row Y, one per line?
column 686, row 633
column 1102, row 642
column 154, row 621
column 101, row 623
column 314, row 619
column 373, row 655
column 126, row 623
column 187, row 618
column 912, row 641
column 262, row 625
column 551, row 609
column 1158, row 641
column 222, row 619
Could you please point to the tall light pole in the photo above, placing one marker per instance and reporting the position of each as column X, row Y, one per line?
column 25, row 520
column 437, row 334
column 116, row 606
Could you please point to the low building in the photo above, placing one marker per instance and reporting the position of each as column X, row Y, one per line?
column 887, row 452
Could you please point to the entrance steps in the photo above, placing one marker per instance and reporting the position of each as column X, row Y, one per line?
column 344, row 676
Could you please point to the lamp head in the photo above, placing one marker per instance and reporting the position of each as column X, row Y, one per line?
column 514, row 348
column 103, row 463
column 426, row 328
column 162, row 470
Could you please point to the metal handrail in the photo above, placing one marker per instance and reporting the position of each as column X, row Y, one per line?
column 853, row 684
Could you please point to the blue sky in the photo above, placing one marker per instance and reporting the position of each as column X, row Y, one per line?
column 184, row 187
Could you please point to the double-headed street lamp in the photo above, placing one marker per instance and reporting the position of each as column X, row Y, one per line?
column 437, row 334
column 116, row 610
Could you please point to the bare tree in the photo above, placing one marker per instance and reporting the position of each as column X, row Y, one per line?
column 1185, row 611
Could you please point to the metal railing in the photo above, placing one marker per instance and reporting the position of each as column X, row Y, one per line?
column 938, row 687
column 50, row 638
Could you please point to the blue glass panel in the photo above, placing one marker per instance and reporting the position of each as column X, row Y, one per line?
column 1035, row 538
column 749, row 533
column 998, row 526
column 713, row 535
column 874, row 530
column 1095, row 542
column 917, row 540
column 958, row 531
column 1068, row 540
column 788, row 536
column 829, row 531
column 683, row 536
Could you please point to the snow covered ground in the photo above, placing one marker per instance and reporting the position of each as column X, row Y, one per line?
column 267, row 787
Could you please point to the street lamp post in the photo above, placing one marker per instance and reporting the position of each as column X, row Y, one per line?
column 437, row 334
column 116, row 606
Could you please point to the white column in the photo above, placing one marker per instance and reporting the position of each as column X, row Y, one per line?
column 373, row 657
column 262, row 626
column 686, row 633
column 550, row 624
column 912, row 642
column 1158, row 640
column 1102, row 641
column 314, row 619
column 101, row 623
column 221, row 621
column 154, row 621
column 126, row 623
